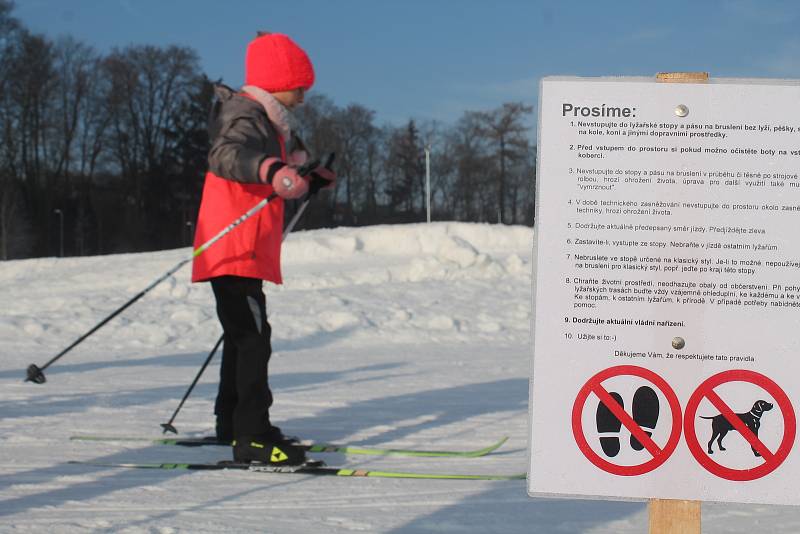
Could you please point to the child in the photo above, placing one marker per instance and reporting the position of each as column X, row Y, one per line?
column 248, row 161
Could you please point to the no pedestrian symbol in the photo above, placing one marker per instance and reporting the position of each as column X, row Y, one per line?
column 747, row 424
column 657, row 453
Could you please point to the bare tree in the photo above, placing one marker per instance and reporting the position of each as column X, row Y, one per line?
column 507, row 134
column 148, row 86
column 9, row 199
column 356, row 137
column 444, row 175
column 473, row 191
column 405, row 167
column 28, row 116
column 75, row 65
column 316, row 127
column 521, row 187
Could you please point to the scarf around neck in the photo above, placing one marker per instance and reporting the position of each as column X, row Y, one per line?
column 278, row 114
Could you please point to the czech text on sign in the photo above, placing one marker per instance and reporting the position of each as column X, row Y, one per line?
column 666, row 229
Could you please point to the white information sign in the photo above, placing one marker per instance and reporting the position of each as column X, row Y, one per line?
column 667, row 290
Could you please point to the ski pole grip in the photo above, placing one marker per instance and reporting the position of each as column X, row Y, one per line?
column 305, row 169
column 318, row 183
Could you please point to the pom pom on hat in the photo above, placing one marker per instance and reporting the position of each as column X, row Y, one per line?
column 275, row 63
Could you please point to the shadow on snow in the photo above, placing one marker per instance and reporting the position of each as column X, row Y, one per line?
column 507, row 508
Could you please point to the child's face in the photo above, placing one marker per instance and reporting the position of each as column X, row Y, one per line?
column 291, row 99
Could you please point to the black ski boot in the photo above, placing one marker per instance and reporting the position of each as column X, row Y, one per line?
column 268, row 450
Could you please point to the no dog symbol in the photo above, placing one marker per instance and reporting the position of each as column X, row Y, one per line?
column 763, row 449
column 602, row 400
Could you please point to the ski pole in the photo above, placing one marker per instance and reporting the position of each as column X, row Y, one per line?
column 168, row 425
column 313, row 190
column 35, row 373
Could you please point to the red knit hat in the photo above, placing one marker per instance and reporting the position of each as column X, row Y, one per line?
column 275, row 63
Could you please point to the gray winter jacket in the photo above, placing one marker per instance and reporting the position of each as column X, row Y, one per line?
column 242, row 136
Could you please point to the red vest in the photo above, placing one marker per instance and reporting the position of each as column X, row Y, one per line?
column 252, row 249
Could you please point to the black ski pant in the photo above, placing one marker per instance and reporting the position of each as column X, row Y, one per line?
column 244, row 397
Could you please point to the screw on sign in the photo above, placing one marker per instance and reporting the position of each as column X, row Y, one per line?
column 640, row 437
column 747, row 424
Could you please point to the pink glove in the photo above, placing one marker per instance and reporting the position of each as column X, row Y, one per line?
column 297, row 158
column 285, row 179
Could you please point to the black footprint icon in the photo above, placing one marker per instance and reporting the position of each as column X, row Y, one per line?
column 608, row 422
column 645, row 412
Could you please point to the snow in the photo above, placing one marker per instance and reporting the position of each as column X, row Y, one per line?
column 390, row 336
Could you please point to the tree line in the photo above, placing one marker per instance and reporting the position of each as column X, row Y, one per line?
column 106, row 153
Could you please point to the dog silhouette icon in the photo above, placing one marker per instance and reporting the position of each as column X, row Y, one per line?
column 721, row 426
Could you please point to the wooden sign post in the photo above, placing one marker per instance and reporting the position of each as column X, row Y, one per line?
column 673, row 517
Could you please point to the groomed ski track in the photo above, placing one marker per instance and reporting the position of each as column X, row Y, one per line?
column 392, row 336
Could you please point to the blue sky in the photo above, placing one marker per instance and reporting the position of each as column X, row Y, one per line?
column 436, row 59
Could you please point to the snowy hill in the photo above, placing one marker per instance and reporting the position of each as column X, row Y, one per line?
column 391, row 336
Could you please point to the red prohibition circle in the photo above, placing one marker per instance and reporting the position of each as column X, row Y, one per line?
column 776, row 458
column 661, row 455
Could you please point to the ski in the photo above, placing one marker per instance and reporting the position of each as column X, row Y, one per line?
column 311, row 468
column 309, row 447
